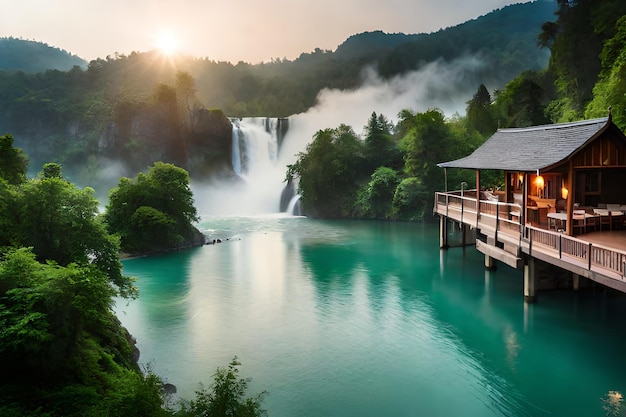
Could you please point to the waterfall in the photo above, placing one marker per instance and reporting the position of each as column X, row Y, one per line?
column 255, row 145
column 260, row 175
column 236, row 155
column 294, row 206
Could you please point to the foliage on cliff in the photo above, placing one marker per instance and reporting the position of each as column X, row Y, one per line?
column 390, row 173
column 584, row 76
column 62, row 349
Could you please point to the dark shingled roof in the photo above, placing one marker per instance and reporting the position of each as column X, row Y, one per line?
column 532, row 148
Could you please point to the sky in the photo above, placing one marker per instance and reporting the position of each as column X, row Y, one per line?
column 252, row 31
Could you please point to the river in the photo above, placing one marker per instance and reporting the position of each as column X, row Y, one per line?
column 357, row 318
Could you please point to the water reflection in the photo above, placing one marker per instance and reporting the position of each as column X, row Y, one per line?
column 387, row 296
column 367, row 319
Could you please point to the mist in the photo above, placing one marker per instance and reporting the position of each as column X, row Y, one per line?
column 440, row 84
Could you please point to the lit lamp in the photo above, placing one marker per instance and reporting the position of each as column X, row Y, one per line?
column 564, row 193
column 539, row 183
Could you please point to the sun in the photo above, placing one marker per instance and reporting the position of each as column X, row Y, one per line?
column 167, row 43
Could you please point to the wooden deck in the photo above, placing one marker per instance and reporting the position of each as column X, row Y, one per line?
column 599, row 256
column 611, row 238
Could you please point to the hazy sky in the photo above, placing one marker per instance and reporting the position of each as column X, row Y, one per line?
column 227, row 30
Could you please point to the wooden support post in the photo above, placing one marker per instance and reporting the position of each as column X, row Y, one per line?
column 575, row 281
column 443, row 232
column 530, row 277
column 463, row 232
column 490, row 263
column 469, row 238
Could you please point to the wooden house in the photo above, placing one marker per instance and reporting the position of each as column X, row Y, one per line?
column 560, row 181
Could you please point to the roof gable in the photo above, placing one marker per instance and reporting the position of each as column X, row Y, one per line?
column 532, row 148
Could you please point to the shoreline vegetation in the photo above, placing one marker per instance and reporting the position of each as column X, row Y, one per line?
column 62, row 349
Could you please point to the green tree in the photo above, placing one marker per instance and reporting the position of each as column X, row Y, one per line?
column 425, row 141
column 575, row 51
column 62, row 349
column 376, row 198
column 576, row 41
column 13, row 161
column 610, row 91
column 410, row 199
column 153, row 212
column 225, row 398
column 329, row 172
column 521, row 103
column 379, row 148
column 186, row 93
column 480, row 114
column 8, row 213
column 59, row 221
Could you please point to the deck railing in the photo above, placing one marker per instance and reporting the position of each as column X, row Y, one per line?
column 465, row 202
column 589, row 255
column 497, row 215
column 505, row 218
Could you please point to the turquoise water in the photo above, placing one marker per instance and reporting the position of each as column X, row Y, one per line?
column 339, row 318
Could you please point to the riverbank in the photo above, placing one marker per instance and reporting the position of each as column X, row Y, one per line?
column 198, row 239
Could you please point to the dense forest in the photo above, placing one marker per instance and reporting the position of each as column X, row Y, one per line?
column 391, row 172
column 124, row 112
column 62, row 349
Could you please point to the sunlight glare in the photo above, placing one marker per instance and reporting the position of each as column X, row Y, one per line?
column 167, row 43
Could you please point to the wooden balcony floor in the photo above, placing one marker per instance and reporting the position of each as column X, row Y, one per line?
column 615, row 239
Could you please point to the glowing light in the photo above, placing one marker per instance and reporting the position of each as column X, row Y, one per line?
column 167, row 43
column 540, row 184
column 564, row 193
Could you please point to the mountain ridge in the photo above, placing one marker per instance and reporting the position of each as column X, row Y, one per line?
column 31, row 56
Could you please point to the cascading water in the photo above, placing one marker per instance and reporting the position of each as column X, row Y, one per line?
column 255, row 161
column 290, row 199
column 294, row 206
column 255, row 145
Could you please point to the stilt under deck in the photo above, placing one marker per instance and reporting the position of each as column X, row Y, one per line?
column 498, row 233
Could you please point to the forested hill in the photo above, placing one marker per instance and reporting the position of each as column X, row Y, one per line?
column 33, row 57
column 136, row 109
column 506, row 37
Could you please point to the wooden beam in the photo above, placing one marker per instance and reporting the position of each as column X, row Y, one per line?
column 571, row 187
column 477, row 196
column 523, row 214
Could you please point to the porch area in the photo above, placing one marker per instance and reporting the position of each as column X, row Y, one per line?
column 597, row 253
